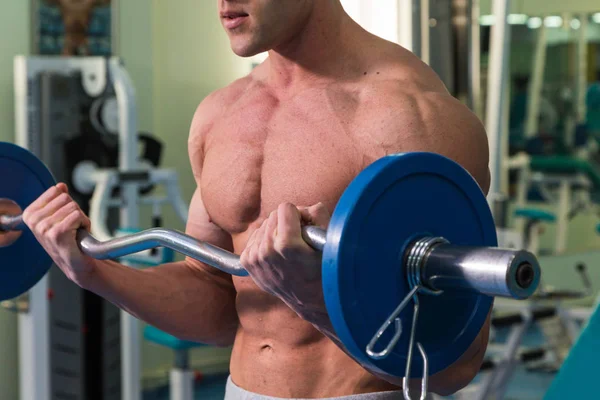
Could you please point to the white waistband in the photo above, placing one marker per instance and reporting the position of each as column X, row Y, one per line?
column 234, row 392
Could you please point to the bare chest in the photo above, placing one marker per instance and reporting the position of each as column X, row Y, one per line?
column 265, row 153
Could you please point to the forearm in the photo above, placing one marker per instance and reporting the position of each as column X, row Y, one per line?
column 176, row 298
column 446, row 382
column 323, row 324
column 464, row 370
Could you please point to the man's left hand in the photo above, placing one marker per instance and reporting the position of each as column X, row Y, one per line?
column 281, row 263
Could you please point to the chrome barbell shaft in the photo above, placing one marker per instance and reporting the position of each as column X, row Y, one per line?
column 180, row 242
column 11, row 223
column 159, row 237
column 490, row 271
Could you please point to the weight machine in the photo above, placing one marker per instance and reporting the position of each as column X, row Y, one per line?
column 73, row 344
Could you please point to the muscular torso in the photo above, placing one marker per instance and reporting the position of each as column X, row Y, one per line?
column 303, row 148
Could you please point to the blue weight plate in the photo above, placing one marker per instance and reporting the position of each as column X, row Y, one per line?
column 23, row 178
column 388, row 205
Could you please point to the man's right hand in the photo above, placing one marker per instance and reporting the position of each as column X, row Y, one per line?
column 54, row 219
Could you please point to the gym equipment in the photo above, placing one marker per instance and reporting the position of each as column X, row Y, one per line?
column 389, row 217
column 557, row 324
column 499, row 366
column 566, row 182
column 24, row 178
column 52, row 97
column 181, row 376
column 577, row 377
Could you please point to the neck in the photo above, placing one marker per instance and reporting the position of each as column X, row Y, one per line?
column 324, row 48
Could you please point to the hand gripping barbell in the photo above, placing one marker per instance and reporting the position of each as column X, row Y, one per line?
column 410, row 227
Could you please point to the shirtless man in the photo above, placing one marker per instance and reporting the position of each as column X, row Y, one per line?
column 274, row 148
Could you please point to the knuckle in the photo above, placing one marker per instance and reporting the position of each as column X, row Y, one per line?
column 53, row 234
column 264, row 253
column 45, row 228
column 246, row 257
column 255, row 258
column 27, row 216
column 53, row 191
column 31, row 218
column 50, row 194
column 282, row 245
column 285, row 206
column 74, row 207
column 42, row 227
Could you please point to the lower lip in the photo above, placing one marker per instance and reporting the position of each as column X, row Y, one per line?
column 232, row 23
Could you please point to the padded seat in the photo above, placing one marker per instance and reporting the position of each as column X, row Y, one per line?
column 535, row 214
column 155, row 335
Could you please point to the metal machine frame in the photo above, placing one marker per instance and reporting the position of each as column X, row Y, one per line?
column 34, row 325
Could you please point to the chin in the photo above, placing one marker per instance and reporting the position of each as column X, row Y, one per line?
column 244, row 48
column 241, row 53
column 244, row 51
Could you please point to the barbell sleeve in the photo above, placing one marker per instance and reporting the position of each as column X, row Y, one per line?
column 441, row 266
column 432, row 263
column 11, row 223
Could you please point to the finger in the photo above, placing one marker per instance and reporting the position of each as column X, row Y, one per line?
column 288, row 223
column 244, row 259
column 317, row 215
column 86, row 223
column 47, row 224
column 307, row 214
column 43, row 219
column 63, row 187
column 61, row 215
column 69, row 224
column 250, row 250
column 254, row 237
column 52, row 207
column 271, row 223
column 41, row 202
column 267, row 249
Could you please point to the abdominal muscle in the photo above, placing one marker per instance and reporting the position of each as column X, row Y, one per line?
column 276, row 353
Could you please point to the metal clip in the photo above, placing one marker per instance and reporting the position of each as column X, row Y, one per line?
column 424, row 381
column 393, row 317
column 413, row 294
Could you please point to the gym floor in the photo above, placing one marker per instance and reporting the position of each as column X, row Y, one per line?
column 524, row 385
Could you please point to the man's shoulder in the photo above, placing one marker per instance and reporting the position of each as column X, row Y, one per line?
column 225, row 96
column 409, row 109
column 218, row 103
